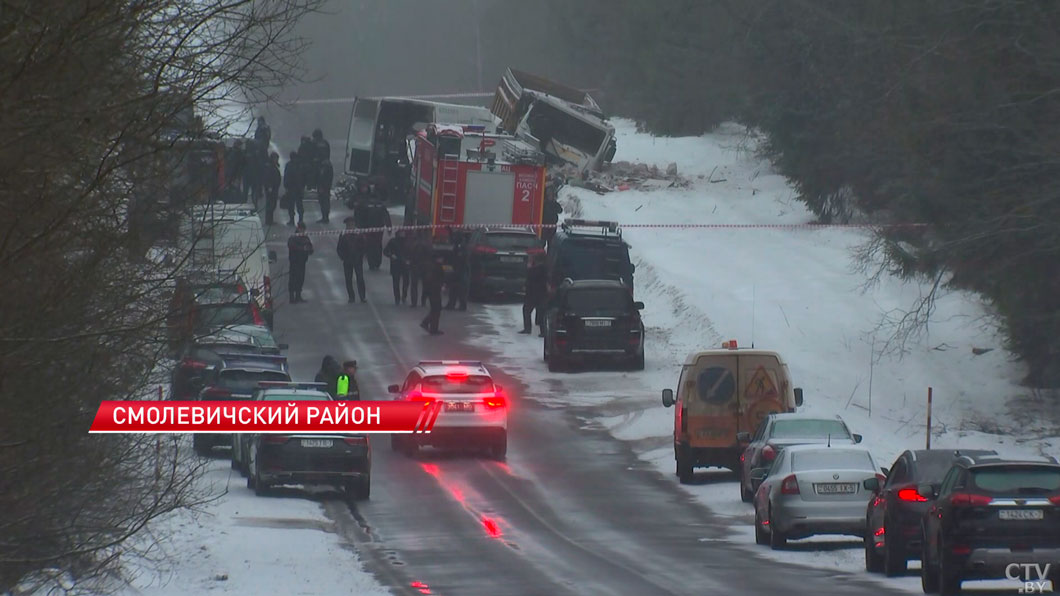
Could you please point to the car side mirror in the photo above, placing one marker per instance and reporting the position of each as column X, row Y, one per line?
column 393, row 389
column 743, row 437
column 282, row 346
column 759, row 474
column 871, row 484
column 857, row 438
column 798, row 397
column 638, row 305
column 668, row 397
column 928, row 491
column 273, row 257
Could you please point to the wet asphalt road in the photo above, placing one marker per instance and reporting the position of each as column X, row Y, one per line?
column 570, row 512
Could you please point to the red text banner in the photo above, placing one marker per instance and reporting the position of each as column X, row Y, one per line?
column 266, row 417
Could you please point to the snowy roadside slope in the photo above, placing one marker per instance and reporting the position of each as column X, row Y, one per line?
column 244, row 544
column 796, row 291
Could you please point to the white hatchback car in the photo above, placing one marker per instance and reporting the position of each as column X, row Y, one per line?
column 474, row 412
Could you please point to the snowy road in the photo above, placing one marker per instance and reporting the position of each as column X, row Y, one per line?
column 571, row 512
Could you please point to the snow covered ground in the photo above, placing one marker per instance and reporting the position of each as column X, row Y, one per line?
column 797, row 291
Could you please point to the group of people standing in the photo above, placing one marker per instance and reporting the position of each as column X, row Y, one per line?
column 250, row 171
column 308, row 168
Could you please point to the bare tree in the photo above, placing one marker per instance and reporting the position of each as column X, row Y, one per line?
column 90, row 93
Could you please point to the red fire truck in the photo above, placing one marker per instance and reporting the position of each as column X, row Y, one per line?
column 465, row 176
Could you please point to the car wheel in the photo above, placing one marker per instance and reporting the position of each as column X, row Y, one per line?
column 499, row 449
column 261, row 488
column 201, row 445
column 555, row 364
column 359, row 489
column 760, row 533
column 929, row 574
column 873, row 560
column 638, row 362
column 685, row 469
column 949, row 578
column 895, row 562
column 777, row 539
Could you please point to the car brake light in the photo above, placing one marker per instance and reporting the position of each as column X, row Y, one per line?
column 743, row 457
column 1055, row 500
column 910, row 494
column 970, row 500
column 356, row 440
column 456, row 375
column 494, row 403
column 275, row 439
column 417, row 396
column 216, row 392
column 790, row 486
column 769, row 453
column 485, row 250
column 961, row 549
column 189, row 363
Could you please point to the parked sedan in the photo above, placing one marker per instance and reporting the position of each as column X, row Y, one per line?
column 810, row 490
column 893, row 532
column 497, row 260
column 780, row 430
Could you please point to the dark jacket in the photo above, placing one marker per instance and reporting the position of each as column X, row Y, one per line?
column 419, row 254
column 272, row 178
column 300, row 247
column 551, row 211
column 327, row 175
column 329, row 373
column 263, row 134
column 293, row 177
column 397, row 250
column 433, row 277
column 536, row 288
column 458, row 260
column 350, row 246
column 307, row 150
column 322, row 150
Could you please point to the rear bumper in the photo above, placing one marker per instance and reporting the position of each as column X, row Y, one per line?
column 454, row 436
column 725, row 457
column 501, row 284
column 798, row 518
column 274, row 467
column 994, row 562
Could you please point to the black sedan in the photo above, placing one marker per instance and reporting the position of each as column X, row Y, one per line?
column 497, row 260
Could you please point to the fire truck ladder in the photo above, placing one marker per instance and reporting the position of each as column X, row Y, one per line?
column 450, row 176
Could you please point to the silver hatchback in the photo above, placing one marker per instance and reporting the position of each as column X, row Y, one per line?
column 813, row 489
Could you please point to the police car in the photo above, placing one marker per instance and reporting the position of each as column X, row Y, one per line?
column 474, row 410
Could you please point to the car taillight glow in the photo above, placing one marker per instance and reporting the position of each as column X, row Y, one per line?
column 485, row 250
column 456, row 375
column 790, row 486
column 1055, row 500
column 970, row 500
column 743, row 458
column 769, row 453
column 910, row 494
column 961, row 549
column 275, row 439
column 356, row 440
column 189, row 363
column 417, row 396
column 495, row 403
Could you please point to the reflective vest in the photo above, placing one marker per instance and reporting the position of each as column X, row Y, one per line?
column 342, row 386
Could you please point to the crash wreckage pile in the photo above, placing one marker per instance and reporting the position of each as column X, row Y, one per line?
column 622, row 176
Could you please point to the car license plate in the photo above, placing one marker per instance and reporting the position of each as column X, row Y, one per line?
column 838, row 488
column 598, row 323
column 316, row 442
column 1020, row 514
column 511, row 259
column 459, row 406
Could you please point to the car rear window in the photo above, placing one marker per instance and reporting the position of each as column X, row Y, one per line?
column 471, row 384
column 511, row 241
column 601, row 301
column 245, row 381
column 213, row 349
column 295, row 397
column 831, row 460
column 809, row 429
column 585, row 259
column 1017, row 480
column 225, row 315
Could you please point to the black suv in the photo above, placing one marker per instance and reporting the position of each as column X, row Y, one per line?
column 496, row 259
column 991, row 519
column 583, row 249
column 894, row 514
column 235, row 379
column 593, row 319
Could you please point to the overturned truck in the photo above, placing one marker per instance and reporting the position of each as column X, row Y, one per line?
column 565, row 123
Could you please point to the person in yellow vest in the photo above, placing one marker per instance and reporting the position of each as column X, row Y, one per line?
column 346, row 386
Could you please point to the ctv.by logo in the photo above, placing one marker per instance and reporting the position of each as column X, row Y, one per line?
column 1035, row 585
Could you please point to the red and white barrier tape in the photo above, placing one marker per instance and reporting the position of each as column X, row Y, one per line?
column 686, row 226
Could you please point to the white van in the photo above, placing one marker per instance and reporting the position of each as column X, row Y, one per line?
column 230, row 238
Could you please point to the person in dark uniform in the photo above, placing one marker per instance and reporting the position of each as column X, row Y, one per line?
column 397, row 250
column 271, row 179
column 550, row 212
column 351, row 251
column 534, row 294
column 329, row 373
column 263, row 134
column 299, row 247
column 378, row 217
column 419, row 260
column 321, row 147
column 307, row 152
column 324, row 179
column 433, row 278
column 457, row 280
column 235, row 168
column 294, row 186
column 257, row 159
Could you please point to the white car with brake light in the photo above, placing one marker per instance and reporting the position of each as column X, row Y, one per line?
column 474, row 409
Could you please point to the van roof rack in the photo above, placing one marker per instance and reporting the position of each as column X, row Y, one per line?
column 602, row 227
